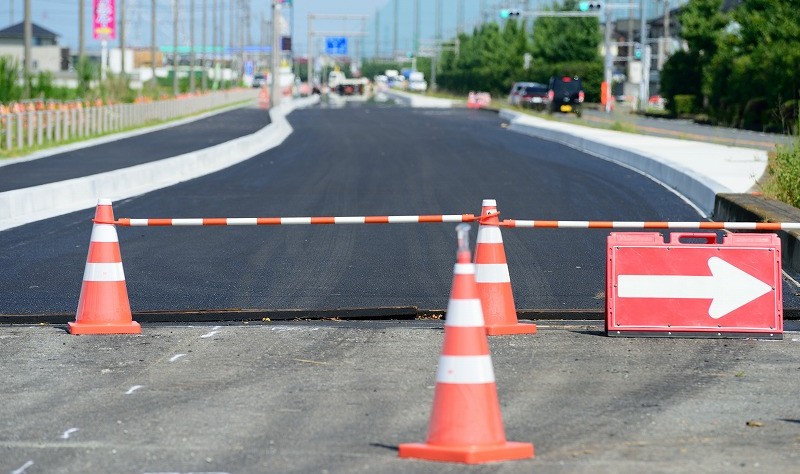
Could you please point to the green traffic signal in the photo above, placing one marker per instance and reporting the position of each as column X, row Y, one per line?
column 590, row 6
column 504, row 13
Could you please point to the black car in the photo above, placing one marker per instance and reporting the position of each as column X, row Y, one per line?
column 565, row 94
column 534, row 96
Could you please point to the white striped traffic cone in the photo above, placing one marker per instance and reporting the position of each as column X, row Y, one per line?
column 103, row 307
column 465, row 425
column 494, row 281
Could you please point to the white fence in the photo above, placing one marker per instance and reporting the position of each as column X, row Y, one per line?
column 36, row 128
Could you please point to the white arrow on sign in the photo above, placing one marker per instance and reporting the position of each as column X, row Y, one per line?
column 728, row 287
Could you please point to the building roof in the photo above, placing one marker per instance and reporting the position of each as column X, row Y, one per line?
column 16, row 32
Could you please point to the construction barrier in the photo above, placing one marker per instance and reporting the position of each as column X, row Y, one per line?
column 493, row 277
column 476, row 100
column 232, row 221
column 465, row 424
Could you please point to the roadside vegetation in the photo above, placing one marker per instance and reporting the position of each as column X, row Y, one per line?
column 741, row 68
column 783, row 182
column 114, row 89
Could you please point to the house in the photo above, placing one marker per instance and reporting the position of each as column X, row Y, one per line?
column 46, row 54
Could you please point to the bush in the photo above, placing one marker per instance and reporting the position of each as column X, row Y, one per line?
column 685, row 104
column 753, row 116
column 784, row 174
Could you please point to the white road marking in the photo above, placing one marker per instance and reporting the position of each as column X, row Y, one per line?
column 23, row 467
column 213, row 331
column 176, row 357
column 66, row 434
column 133, row 389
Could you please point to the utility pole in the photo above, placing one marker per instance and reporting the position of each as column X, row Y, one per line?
column 608, row 60
column 460, row 17
column 310, row 50
column 231, row 36
column 204, row 55
column 152, row 40
column 122, row 36
column 191, row 47
column 437, row 44
column 667, row 39
column 275, row 96
column 394, row 30
column 416, row 27
column 175, row 59
column 27, row 33
column 644, row 85
column 81, row 28
column 377, row 33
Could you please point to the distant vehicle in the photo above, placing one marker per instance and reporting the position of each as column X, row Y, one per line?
column 259, row 80
column 534, row 96
column 565, row 94
column 514, row 94
column 343, row 86
column 417, row 82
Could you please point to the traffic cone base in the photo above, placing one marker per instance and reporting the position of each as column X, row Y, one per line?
column 507, row 451
column 86, row 328
column 509, row 329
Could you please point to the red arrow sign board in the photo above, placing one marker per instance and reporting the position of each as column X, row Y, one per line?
column 693, row 285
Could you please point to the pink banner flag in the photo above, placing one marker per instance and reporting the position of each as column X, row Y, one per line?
column 104, row 19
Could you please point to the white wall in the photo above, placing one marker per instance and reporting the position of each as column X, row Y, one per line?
column 45, row 58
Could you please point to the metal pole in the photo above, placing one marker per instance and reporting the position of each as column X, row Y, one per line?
column 607, row 65
column 377, row 33
column 416, row 27
column 81, row 27
column 310, row 50
column 191, row 47
column 28, row 38
column 231, row 36
column 394, row 30
column 153, row 40
column 668, row 45
column 275, row 96
column 204, row 55
column 175, row 59
column 460, row 17
column 122, row 36
column 643, row 41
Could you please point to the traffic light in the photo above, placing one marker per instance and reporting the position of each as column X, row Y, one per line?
column 637, row 51
column 506, row 13
column 591, row 6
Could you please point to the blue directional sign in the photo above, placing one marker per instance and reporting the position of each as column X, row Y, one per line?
column 336, row 45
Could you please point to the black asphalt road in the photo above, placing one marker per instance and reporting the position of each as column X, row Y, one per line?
column 351, row 161
column 136, row 150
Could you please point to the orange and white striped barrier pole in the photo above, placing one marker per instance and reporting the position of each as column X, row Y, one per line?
column 773, row 226
column 103, row 307
column 465, row 424
column 256, row 221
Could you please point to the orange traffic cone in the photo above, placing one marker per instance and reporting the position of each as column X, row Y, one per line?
column 465, row 424
column 103, row 307
column 494, row 281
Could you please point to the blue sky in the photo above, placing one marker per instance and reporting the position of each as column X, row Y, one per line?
column 61, row 16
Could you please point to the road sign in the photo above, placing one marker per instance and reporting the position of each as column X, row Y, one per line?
column 336, row 45
column 694, row 285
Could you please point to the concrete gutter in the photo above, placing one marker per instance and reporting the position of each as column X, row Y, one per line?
column 22, row 206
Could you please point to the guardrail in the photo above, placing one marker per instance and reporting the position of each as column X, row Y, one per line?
column 27, row 129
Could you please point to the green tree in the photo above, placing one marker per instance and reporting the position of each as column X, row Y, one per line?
column 565, row 39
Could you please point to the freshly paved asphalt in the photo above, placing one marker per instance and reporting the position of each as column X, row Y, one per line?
column 135, row 150
column 341, row 162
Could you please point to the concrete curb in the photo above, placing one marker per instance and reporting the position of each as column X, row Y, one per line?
column 414, row 100
column 22, row 206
